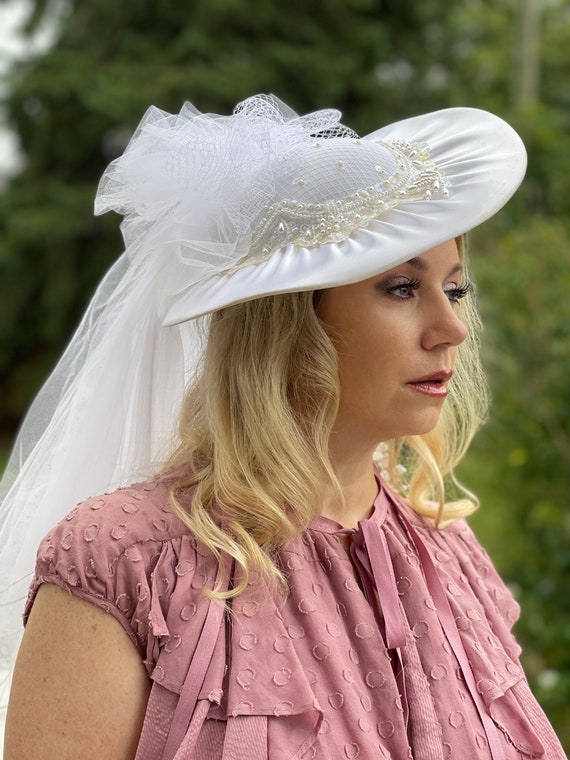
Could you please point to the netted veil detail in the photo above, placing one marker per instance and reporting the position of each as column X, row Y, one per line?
column 213, row 166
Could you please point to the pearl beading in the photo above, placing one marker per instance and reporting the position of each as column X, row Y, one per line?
column 311, row 225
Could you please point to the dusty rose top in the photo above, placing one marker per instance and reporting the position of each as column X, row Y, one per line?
column 318, row 676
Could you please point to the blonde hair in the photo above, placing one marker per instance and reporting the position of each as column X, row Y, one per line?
column 256, row 423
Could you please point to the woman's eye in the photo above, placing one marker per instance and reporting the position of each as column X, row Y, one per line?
column 457, row 292
column 404, row 290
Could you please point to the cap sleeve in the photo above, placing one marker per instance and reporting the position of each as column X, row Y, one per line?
column 124, row 552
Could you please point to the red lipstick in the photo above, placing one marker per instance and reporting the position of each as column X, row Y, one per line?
column 432, row 385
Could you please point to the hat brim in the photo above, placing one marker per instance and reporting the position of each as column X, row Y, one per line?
column 483, row 159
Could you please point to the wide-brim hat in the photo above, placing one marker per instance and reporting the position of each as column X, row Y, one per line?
column 265, row 202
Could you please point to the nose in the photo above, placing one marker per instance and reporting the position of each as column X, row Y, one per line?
column 444, row 327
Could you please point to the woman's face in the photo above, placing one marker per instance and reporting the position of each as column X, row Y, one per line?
column 397, row 336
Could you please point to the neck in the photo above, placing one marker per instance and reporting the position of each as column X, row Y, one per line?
column 355, row 473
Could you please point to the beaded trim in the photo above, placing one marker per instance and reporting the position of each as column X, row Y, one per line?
column 313, row 224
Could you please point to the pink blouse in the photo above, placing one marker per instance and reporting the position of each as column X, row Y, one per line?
column 403, row 650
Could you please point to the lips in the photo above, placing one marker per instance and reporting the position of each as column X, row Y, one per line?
column 433, row 384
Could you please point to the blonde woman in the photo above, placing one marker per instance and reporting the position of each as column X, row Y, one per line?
column 285, row 357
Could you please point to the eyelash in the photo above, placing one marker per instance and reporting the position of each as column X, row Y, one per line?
column 454, row 295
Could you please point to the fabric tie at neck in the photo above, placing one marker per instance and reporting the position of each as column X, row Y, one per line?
column 369, row 552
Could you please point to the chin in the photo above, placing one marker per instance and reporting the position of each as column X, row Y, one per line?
column 418, row 427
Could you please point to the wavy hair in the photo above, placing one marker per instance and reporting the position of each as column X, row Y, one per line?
column 256, row 423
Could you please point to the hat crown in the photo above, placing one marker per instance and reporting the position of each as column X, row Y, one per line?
column 326, row 190
column 260, row 179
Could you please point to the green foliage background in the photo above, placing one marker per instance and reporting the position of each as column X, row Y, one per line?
column 377, row 60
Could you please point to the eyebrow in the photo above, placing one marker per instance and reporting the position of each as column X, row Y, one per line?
column 418, row 263
column 422, row 265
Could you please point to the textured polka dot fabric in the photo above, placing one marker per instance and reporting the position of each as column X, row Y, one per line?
column 313, row 676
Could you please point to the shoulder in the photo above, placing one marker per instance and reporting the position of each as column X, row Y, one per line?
column 105, row 528
column 460, row 558
column 466, row 570
column 127, row 552
column 127, row 516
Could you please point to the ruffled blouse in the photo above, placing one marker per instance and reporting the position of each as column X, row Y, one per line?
column 401, row 650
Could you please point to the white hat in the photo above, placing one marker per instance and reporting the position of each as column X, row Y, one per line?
column 264, row 201
column 220, row 210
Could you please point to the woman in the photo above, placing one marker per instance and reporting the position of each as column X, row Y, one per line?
column 265, row 592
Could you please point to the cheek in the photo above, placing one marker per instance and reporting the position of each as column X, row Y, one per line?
column 380, row 343
column 363, row 356
column 352, row 369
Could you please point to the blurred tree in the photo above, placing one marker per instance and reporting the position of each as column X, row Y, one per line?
column 74, row 109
